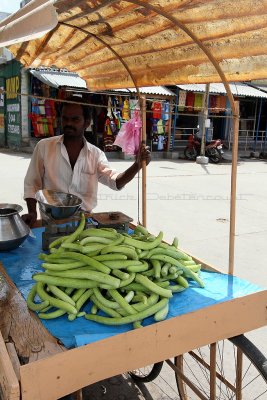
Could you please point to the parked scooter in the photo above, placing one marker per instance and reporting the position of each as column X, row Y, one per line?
column 213, row 149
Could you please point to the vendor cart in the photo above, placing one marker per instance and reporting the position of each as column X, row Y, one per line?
column 42, row 361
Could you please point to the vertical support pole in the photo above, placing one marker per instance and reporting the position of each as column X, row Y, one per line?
column 143, row 143
column 233, row 188
column 213, row 371
column 265, row 138
column 258, row 126
column 205, row 115
column 239, row 369
column 176, row 116
column 170, row 126
column 78, row 395
column 254, row 122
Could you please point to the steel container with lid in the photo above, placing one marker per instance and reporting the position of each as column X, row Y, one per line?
column 13, row 230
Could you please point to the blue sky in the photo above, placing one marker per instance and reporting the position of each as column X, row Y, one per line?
column 9, row 6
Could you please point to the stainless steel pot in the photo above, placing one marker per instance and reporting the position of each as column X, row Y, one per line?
column 13, row 230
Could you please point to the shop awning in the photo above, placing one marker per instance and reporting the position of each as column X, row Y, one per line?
column 238, row 89
column 150, row 90
column 59, row 79
column 261, row 88
column 117, row 44
column 64, row 78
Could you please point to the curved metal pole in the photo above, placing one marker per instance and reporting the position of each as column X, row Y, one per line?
column 142, row 110
column 235, row 113
column 110, row 48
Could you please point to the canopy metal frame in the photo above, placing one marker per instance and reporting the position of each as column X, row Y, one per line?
column 177, row 24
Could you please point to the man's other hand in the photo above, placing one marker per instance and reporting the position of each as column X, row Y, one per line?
column 30, row 218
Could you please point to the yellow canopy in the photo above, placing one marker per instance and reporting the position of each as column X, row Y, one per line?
column 117, row 44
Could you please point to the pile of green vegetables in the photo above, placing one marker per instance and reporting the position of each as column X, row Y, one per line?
column 128, row 277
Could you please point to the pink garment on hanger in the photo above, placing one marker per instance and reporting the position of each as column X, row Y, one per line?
column 129, row 135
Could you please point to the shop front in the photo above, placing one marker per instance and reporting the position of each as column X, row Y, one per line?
column 189, row 112
column 118, row 107
column 110, row 109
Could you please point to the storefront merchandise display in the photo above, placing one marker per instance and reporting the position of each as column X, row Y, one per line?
column 160, row 117
column 43, row 113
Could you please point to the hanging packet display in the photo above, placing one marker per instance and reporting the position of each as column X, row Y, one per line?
column 198, row 101
column 126, row 110
column 190, row 99
column 182, row 100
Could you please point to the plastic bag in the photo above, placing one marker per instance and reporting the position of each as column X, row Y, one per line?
column 129, row 135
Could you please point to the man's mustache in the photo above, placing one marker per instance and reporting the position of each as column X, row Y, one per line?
column 69, row 128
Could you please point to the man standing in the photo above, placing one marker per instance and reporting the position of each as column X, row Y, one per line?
column 69, row 164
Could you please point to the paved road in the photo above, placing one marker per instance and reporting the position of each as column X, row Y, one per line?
column 189, row 201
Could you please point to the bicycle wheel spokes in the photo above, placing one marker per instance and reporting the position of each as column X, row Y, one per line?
column 148, row 373
column 239, row 373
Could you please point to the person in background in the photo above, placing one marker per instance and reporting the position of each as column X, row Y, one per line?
column 69, row 164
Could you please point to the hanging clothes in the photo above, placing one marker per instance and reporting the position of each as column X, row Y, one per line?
column 160, row 127
column 198, row 103
column 182, row 100
column 165, row 111
column 108, row 130
column 190, row 99
column 167, row 126
column 161, row 143
column 212, row 105
column 155, row 125
column 35, row 106
column 132, row 104
column 126, row 110
column 50, row 110
column 115, row 103
column 221, row 103
column 109, row 113
column 41, row 103
column 217, row 105
column 156, row 107
column 129, row 136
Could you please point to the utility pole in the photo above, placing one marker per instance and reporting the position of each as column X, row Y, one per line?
column 202, row 159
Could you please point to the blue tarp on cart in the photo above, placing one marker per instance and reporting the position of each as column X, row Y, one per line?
column 21, row 263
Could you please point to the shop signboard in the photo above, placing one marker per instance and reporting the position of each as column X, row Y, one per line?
column 13, row 110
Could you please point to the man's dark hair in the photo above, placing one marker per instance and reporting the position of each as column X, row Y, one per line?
column 87, row 111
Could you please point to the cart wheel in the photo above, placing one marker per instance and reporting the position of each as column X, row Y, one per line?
column 235, row 379
column 148, row 373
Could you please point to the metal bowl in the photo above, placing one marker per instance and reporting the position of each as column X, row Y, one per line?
column 58, row 205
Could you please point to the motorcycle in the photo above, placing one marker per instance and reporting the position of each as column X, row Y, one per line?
column 213, row 149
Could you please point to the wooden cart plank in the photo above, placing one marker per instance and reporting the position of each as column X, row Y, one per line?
column 21, row 326
column 13, row 358
column 68, row 371
column 9, row 384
